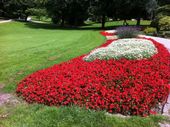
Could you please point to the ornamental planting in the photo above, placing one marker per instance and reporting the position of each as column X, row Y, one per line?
column 124, row 48
column 129, row 87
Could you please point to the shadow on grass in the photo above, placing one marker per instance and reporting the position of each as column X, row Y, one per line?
column 35, row 25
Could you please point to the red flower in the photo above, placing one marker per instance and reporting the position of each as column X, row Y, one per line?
column 106, row 33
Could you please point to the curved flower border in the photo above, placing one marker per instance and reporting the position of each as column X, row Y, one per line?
column 129, row 87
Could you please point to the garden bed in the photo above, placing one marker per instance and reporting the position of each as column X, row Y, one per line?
column 126, row 86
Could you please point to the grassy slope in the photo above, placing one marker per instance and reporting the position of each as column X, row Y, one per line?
column 25, row 48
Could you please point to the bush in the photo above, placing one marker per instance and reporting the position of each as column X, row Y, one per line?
column 164, row 23
column 150, row 30
column 162, row 14
column 130, row 87
column 127, row 32
column 163, row 11
column 38, row 12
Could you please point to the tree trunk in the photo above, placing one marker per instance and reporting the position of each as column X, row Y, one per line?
column 153, row 15
column 103, row 21
column 62, row 21
column 26, row 14
column 125, row 22
column 138, row 21
column 25, row 19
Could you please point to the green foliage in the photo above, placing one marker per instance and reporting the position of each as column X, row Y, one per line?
column 68, row 11
column 150, row 30
column 19, row 8
column 163, row 11
column 164, row 23
column 120, row 9
column 75, row 12
column 166, row 34
column 165, row 8
column 38, row 12
column 163, row 2
column 163, row 17
column 161, row 22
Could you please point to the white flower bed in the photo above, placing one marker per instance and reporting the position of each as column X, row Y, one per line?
column 132, row 48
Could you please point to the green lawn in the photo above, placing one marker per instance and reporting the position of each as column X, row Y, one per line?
column 43, row 116
column 28, row 47
column 24, row 50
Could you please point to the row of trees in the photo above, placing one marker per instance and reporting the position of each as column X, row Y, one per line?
column 75, row 12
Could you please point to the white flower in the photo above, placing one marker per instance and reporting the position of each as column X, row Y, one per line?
column 132, row 48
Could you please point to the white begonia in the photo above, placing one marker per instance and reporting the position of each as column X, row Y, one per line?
column 132, row 48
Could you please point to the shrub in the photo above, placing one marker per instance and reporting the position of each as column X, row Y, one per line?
column 161, row 21
column 164, row 23
column 130, row 87
column 150, row 30
column 127, row 32
column 163, row 11
column 124, row 48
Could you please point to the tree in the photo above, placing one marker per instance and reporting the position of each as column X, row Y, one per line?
column 123, row 8
column 18, row 8
column 72, row 12
column 161, row 21
column 151, row 7
column 101, row 9
column 138, row 9
column 163, row 2
column 38, row 12
column 57, row 9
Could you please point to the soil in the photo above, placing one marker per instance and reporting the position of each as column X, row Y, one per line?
column 7, row 99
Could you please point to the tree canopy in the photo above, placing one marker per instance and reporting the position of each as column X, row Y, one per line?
column 75, row 12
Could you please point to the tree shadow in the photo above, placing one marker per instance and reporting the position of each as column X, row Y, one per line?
column 35, row 25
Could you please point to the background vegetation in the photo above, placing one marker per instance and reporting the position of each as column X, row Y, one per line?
column 75, row 12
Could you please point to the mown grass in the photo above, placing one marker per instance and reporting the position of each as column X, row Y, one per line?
column 28, row 47
column 43, row 116
column 24, row 49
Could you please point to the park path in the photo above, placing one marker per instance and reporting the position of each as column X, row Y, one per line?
column 7, row 98
column 163, row 41
column 5, row 21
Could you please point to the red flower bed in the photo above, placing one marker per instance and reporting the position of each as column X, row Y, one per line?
column 130, row 87
column 104, row 33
